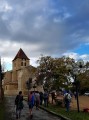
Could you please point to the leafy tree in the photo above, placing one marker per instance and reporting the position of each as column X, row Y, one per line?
column 84, row 81
column 45, row 70
column 52, row 72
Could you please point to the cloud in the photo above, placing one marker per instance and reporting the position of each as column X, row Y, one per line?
column 76, row 56
column 43, row 26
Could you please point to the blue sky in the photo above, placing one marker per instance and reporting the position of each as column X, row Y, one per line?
column 48, row 27
column 82, row 49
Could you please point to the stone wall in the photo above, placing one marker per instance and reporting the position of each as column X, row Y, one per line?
column 14, row 76
column 11, row 89
column 17, row 64
column 8, row 77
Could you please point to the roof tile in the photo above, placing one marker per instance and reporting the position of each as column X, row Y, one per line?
column 21, row 55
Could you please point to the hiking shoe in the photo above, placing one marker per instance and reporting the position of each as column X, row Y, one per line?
column 31, row 116
column 16, row 116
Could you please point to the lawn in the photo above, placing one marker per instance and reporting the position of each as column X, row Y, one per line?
column 4, row 115
column 72, row 114
column 2, row 111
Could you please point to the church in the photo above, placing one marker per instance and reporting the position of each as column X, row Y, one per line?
column 15, row 79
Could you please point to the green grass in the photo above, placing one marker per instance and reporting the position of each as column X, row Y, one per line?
column 2, row 111
column 72, row 114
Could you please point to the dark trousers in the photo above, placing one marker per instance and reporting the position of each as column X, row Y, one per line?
column 18, row 112
column 37, row 103
column 41, row 100
column 46, row 102
column 53, row 99
column 67, row 105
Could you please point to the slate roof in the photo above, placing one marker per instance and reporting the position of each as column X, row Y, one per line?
column 21, row 55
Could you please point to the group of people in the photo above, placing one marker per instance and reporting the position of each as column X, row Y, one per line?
column 37, row 98
column 34, row 99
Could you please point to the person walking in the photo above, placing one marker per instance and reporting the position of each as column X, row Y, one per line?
column 37, row 99
column 41, row 98
column 46, row 97
column 67, row 100
column 19, row 104
column 31, row 103
column 53, row 96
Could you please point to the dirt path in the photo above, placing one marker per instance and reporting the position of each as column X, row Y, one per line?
column 37, row 114
column 83, row 102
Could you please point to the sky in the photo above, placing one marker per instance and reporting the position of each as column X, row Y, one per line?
column 49, row 27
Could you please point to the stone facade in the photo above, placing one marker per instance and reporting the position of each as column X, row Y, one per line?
column 15, row 80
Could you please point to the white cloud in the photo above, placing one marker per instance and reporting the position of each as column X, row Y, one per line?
column 71, row 55
column 4, row 6
column 43, row 26
column 76, row 56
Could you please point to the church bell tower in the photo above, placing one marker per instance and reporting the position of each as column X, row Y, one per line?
column 20, row 60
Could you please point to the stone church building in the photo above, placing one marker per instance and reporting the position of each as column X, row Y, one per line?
column 15, row 80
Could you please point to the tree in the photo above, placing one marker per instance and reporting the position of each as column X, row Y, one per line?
column 44, row 69
column 52, row 72
column 84, row 81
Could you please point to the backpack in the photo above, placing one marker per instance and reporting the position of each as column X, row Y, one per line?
column 45, row 95
column 31, row 100
column 67, row 97
column 16, row 99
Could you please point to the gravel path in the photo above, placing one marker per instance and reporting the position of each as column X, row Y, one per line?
column 37, row 114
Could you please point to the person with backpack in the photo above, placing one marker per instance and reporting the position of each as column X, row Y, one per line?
column 37, row 100
column 31, row 103
column 19, row 104
column 46, row 97
column 67, row 100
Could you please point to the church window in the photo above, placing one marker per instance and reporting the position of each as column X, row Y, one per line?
column 22, row 63
column 25, row 63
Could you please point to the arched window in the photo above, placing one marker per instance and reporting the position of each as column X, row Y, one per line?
column 22, row 63
column 25, row 63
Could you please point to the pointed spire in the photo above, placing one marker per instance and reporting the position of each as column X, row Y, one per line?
column 21, row 55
